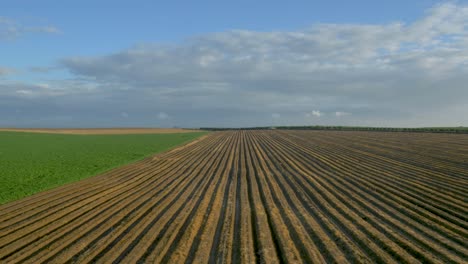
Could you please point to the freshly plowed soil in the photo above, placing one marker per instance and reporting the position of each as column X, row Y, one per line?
column 102, row 131
column 259, row 197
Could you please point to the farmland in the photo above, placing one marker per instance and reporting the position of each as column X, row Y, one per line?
column 102, row 131
column 32, row 162
column 259, row 196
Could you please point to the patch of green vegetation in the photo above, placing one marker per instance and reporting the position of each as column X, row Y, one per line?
column 33, row 162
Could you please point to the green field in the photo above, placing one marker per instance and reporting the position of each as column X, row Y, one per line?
column 33, row 162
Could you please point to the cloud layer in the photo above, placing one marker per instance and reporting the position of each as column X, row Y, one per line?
column 393, row 74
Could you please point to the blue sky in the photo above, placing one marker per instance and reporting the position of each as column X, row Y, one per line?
column 97, row 27
column 236, row 63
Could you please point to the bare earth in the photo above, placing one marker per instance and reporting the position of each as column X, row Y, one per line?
column 259, row 197
column 102, row 131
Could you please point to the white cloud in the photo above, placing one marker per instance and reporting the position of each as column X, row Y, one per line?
column 44, row 86
column 275, row 116
column 24, row 92
column 11, row 29
column 46, row 29
column 315, row 113
column 74, row 89
column 163, row 116
column 340, row 114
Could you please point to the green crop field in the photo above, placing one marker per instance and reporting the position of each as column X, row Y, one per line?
column 32, row 162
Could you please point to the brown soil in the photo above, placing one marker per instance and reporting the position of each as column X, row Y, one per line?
column 259, row 197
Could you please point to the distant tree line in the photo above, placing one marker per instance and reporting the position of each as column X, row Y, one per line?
column 458, row 130
column 238, row 128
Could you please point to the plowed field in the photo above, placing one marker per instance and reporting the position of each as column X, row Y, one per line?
column 259, row 196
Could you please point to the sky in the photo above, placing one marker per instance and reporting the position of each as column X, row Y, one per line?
column 233, row 63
